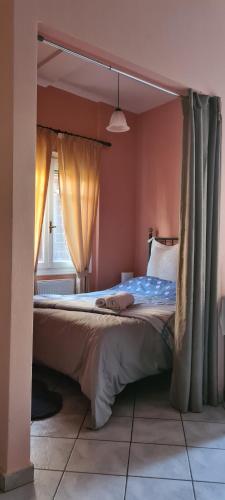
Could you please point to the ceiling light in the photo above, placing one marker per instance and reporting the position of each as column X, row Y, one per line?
column 118, row 122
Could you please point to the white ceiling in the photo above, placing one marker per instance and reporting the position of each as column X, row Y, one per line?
column 98, row 84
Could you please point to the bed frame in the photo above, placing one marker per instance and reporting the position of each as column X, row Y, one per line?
column 172, row 240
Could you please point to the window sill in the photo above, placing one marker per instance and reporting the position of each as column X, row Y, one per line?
column 55, row 273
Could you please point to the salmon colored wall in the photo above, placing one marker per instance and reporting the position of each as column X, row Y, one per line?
column 59, row 109
column 117, row 202
column 17, row 173
column 114, row 239
column 140, row 177
column 159, row 151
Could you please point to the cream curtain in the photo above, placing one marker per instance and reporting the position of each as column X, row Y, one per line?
column 43, row 160
column 79, row 166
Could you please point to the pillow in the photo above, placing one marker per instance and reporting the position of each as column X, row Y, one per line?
column 163, row 261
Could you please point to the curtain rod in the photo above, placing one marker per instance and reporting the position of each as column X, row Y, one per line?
column 58, row 131
column 41, row 38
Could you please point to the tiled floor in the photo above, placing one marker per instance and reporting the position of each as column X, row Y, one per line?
column 146, row 451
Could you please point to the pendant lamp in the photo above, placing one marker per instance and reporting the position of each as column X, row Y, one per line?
column 118, row 122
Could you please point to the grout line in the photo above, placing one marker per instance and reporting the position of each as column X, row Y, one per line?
column 77, row 438
column 50, row 436
column 208, row 482
column 83, row 472
column 203, row 421
column 193, row 486
column 180, row 445
column 131, row 435
column 132, row 442
column 130, row 475
column 188, row 458
column 158, row 418
column 70, row 455
column 57, row 484
column 99, row 440
column 159, row 444
column 168, row 419
column 204, row 447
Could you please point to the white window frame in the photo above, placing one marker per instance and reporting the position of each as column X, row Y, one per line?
column 49, row 267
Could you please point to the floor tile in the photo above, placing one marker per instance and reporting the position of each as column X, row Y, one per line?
column 59, row 426
column 75, row 486
column 158, row 489
column 209, row 491
column 43, row 488
column 207, row 465
column 105, row 457
column 50, row 453
column 116, row 429
column 154, row 460
column 209, row 414
column 158, row 431
column 205, row 434
column 158, row 407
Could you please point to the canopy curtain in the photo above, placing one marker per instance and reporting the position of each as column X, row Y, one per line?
column 79, row 168
column 43, row 160
column 195, row 371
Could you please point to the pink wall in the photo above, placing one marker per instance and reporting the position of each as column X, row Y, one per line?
column 139, row 184
column 17, row 146
column 117, row 202
column 159, row 140
column 114, row 241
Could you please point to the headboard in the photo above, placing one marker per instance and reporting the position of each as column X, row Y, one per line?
column 165, row 240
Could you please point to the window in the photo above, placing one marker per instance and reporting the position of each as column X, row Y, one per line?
column 54, row 256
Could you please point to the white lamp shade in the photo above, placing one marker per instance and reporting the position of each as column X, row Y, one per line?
column 118, row 122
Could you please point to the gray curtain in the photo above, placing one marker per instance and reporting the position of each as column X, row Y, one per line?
column 195, row 371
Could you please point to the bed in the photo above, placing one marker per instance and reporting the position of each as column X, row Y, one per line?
column 102, row 349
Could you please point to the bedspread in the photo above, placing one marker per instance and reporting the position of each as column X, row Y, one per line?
column 104, row 350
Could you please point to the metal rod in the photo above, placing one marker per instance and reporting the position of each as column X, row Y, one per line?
column 71, row 52
column 58, row 131
column 145, row 82
column 41, row 38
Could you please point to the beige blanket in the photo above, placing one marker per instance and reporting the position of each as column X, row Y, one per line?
column 102, row 351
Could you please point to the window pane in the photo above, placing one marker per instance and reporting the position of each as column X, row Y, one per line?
column 41, row 255
column 60, row 249
column 41, row 252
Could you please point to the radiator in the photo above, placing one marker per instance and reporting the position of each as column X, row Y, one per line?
column 61, row 287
